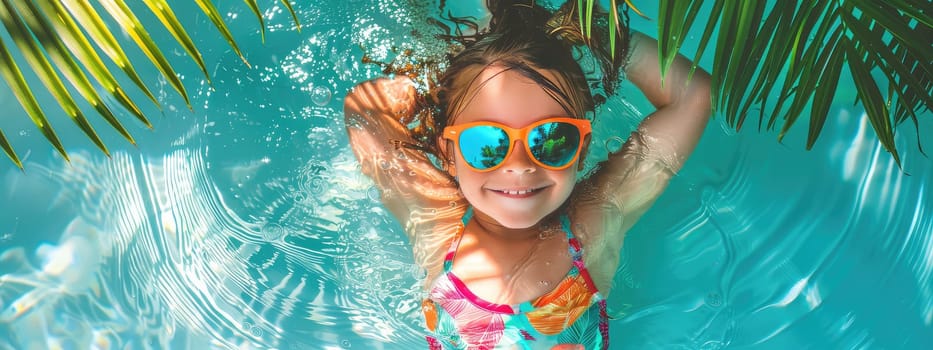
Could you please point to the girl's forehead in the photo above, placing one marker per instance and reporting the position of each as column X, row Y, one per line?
column 508, row 97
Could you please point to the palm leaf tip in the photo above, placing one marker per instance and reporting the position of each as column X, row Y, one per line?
column 8, row 149
column 288, row 5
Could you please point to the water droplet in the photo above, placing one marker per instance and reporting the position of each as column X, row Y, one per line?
column 614, row 144
column 629, row 281
column 373, row 193
column 714, row 299
column 544, row 283
column 384, row 164
column 320, row 95
column 345, row 344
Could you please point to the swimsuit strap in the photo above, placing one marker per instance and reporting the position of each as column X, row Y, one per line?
column 576, row 251
column 455, row 243
column 573, row 245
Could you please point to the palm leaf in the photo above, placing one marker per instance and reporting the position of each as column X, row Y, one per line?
column 208, row 8
column 32, row 52
column 288, row 6
column 14, row 77
column 56, row 50
column 70, row 34
column 165, row 14
column 66, row 32
column 253, row 6
column 93, row 24
column 788, row 57
column 128, row 20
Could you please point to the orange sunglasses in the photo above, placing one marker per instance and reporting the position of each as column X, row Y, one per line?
column 553, row 143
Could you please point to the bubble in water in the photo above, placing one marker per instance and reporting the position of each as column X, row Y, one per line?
column 714, row 299
column 272, row 233
column 318, row 185
column 345, row 344
column 320, row 95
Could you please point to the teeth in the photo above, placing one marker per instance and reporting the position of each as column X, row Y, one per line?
column 518, row 192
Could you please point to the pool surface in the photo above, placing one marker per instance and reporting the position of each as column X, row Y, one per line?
column 245, row 222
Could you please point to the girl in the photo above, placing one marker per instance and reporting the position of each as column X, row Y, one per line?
column 482, row 174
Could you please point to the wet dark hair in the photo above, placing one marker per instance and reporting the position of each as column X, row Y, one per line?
column 527, row 38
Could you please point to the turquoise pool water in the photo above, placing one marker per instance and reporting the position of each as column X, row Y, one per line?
column 245, row 223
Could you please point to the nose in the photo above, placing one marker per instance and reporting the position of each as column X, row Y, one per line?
column 519, row 161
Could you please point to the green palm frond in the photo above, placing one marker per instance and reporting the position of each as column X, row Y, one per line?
column 587, row 21
column 780, row 59
column 66, row 32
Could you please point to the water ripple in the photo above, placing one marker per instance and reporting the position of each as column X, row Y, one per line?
column 784, row 250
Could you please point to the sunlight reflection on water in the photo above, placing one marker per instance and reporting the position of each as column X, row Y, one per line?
column 254, row 228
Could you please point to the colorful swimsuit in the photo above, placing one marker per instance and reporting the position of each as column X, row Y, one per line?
column 572, row 313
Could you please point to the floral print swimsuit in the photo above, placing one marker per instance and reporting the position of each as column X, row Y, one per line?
column 573, row 312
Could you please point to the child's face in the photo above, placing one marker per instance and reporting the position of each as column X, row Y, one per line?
column 516, row 101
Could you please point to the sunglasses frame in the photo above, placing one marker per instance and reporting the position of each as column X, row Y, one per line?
column 584, row 126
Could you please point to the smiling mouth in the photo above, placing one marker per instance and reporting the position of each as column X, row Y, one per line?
column 525, row 192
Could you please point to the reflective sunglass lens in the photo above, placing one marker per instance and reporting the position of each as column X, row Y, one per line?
column 484, row 147
column 554, row 144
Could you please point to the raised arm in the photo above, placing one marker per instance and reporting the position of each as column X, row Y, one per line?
column 635, row 176
column 424, row 199
column 375, row 112
column 683, row 107
column 629, row 182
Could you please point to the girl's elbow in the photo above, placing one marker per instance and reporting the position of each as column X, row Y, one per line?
column 700, row 92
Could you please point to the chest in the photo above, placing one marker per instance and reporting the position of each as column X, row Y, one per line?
column 505, row 272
